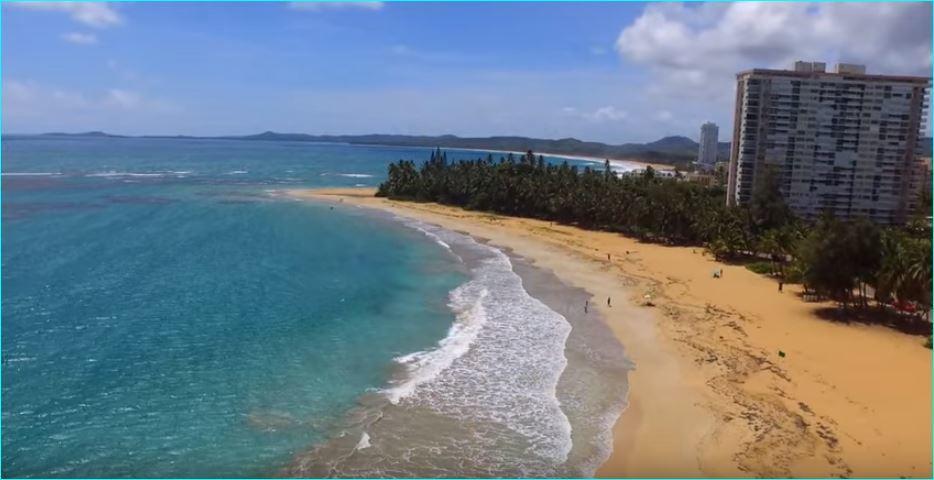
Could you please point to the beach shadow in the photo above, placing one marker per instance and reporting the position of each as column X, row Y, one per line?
column 909, row 324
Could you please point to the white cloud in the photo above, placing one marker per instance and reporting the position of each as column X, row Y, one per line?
column 98, row 15
column 80, row 38
column 608, row 113
column 122, row 72
column 319, row 6
column 30, row 106
column 410, row 53
column 122, row 99
column 695, row 50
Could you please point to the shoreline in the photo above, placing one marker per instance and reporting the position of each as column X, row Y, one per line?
column 631, row 165
column 710, row 395
column 571, row 349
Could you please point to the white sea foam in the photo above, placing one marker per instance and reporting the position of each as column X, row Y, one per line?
column 467, row 303
column 349, row 175
column 113, row 173
column 500, row 363
column 419, row 226
column 30, row 174
column 237, row 172
column 364, row 442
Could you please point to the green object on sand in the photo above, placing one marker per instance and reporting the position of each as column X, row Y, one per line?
column 781, row 354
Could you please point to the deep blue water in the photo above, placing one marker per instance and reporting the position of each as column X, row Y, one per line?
column 163, row 315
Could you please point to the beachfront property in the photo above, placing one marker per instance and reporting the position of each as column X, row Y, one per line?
column 707, row 146
column 846, row 141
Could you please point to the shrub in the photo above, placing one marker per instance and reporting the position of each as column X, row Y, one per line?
column 762, row 268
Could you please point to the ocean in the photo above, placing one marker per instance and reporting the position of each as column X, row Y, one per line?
column 167, row 312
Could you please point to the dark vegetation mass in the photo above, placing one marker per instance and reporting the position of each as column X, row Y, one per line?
column 870, row 271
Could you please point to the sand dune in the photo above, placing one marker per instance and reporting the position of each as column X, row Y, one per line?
column 711, row 396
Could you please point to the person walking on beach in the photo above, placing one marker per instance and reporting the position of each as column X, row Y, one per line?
column 608, row 302
column 608, row 257
column 780, row 285
column 586, row 302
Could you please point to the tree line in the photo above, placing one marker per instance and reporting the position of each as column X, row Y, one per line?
column 852, row 262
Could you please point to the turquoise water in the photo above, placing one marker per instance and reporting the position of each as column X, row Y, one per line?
column 164, row 316
column 167, row 313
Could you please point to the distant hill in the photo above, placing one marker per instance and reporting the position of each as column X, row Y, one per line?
column 673, row 150
column 670, row 150
column 95, row 133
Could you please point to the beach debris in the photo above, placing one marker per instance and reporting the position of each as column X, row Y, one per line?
column 648, row 301
column 781, row 354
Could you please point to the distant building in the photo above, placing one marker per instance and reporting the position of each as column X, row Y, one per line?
column 707, row 150
column 846, row 141
column 703, row 178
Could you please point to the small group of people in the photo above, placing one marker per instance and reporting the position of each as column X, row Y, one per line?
column 587, row 304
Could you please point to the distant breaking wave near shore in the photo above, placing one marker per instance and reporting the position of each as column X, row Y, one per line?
column 485, row 401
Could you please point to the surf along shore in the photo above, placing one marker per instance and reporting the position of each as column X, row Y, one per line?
column 710, row 394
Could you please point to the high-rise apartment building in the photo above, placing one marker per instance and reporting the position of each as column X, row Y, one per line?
column 845, row 141
column 707, row 150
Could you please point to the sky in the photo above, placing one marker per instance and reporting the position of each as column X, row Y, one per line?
column 609, row 72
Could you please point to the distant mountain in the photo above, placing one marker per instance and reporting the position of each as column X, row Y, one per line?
column 670, row 150
column 95, row 133
column 674, row 150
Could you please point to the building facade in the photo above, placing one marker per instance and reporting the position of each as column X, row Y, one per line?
column 707, row 150
column 845, row 142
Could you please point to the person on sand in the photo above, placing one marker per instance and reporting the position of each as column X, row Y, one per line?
column 780, row 285
column 608, row 302
column 608, row 257
column 586, row 302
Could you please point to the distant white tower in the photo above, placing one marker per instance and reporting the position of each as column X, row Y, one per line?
column 707, row 151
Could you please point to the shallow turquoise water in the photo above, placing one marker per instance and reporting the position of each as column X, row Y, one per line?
column 164, row 316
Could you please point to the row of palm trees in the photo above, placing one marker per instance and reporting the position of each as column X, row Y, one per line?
column 849, row 261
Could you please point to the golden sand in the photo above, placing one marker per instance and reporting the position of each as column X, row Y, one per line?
column 711, row 396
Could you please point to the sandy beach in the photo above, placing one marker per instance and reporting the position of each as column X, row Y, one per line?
column 620, row 163
column 710, row 394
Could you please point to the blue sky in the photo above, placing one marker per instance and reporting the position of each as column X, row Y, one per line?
column 612, row 72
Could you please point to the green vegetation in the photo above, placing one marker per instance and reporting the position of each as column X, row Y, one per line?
column 851, row 262
column 762, row 268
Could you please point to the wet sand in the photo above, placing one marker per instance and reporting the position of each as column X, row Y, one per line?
column 710, row 395
column 484, row 411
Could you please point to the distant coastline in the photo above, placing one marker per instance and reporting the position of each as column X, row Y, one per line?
column 670, row 151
